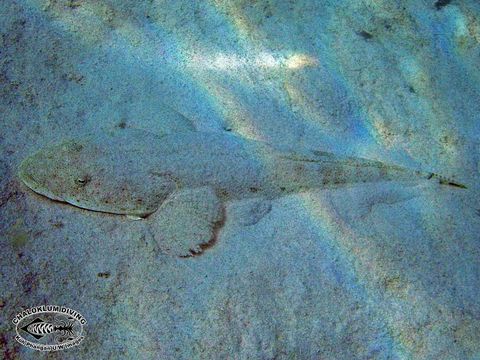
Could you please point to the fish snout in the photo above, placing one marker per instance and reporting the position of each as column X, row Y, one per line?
column 26, row 175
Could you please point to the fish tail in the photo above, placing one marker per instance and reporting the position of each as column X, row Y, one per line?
column 445, row 181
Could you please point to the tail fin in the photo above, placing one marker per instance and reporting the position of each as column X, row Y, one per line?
column 445, row 181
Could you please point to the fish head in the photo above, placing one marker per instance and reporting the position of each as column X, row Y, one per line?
column 56, row 171
column 93, row 176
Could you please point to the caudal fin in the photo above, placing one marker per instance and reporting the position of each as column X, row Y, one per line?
column 445, row 181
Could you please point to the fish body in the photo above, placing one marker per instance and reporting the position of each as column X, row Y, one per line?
column 186, row 178
column 39, row 328
column 132, row 172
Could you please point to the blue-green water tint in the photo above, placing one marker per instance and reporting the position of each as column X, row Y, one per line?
column 382, row 272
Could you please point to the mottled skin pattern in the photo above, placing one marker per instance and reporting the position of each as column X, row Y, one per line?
column 132, row 172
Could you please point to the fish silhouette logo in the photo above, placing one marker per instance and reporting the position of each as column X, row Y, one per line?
column 49, row 328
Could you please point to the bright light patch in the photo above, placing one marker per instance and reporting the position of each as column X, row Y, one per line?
column 264, row 60
column 226, row 62
column 299, row 61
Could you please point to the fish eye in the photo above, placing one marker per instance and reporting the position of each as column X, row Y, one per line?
column 82, row 180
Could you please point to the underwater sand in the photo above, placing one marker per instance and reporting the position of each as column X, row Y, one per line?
column 379, row 271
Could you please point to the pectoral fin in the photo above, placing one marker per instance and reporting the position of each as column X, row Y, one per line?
column 188, row 222
column 251, row 211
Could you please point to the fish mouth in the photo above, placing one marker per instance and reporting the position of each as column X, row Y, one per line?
column 28, row 179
